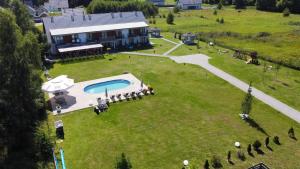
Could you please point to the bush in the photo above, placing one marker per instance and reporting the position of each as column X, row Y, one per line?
column 170, row 18
column 241, row 155
column 263, row 34
column 215, row 12
column 217, row 20
column 164, row 16
column 276, row 140
column 206, row 165
column 150, row 21
column 222, row 21
column 44, row 145
column 220, row 6
column 216, row 162
column 154, row 21
column 123, row 162
column 291, row 133
column 256, row 145
column 286, row 12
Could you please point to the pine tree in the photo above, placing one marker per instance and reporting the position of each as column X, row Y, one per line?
column 247, row 102
column 206, row 164
column 267, row 141
column 170, row 18
column 123, row 162
column 249, row 149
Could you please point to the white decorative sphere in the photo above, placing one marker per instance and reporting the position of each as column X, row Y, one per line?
column 185, row 162
column 237, row 144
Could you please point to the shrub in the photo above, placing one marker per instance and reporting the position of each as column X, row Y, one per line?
column 222, row 21
column 276, row 140
column 123, row 162
column 256, row 145
column 220, row 6
column 286, row 12
column 44, row 145
column 216, row 162
column 291, row 133
column 170, row 18
column 154, row 21
column 150, row 21
column 263, row 34
column 215, row 12
column 217, row 20
column 241, row 155
column 164, row 16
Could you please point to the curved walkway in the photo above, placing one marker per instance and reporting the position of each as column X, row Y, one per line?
column 202, row 60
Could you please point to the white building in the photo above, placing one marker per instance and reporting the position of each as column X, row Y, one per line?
column 189, row 4
column 56, row 5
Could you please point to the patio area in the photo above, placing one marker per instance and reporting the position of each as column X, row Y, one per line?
column 77, row 98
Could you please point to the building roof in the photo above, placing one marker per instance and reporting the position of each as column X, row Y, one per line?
column 190, row 1
column 259, row 166
column 76, row 23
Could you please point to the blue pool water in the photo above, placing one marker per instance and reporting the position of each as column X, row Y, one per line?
column 109, row 85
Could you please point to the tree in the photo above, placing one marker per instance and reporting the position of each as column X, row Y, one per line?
column 215, row 12
column 240, row 4
column 276, row 140
column 22, row 105
column 220, row 5
column 256, row 145
column 216, row 162
column 247, row 102
column 170, row 18
column 286, row 12
column 23, row 18
column 123, row 162
column 229, row 156
column 291, row 133
column 268, row 5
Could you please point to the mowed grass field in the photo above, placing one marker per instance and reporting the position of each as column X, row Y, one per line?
column 282, row 43
column 193, row 115
column 283, row 84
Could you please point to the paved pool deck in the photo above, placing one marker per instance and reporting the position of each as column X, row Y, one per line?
column 78, row 99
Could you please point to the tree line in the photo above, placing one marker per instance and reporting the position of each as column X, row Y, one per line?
column 22, row 104
column 264, row 5
column 103, row 6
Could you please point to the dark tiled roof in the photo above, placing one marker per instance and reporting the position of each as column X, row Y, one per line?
column 259, row 166
column 80, row 20
column 190, row 1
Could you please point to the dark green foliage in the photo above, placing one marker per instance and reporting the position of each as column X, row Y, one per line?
column 154, row 21
column 23, row 18
column 22, row 105
column 4, row 3
column 217, row 20
column 268, row 5
column 215, row 12
column 102, row 6
column 170, row 18
column 216, row 162
column 267, row 141
column 222, row 21
column 286, row 12
column 256, row 145
column 123, row 162
column 44, row 145
column 240, row 4
column 291, row 133
column 276, row 140
column 206, row 165
column 241, row 155
column 220, row 5
column 247, row 102
column 249, row 149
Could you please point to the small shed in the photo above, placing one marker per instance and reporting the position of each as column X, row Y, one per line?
column 188, row 38
column 154, row 32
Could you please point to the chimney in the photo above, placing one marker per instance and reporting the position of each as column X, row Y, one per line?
column 52, row 19
column 90, row 17
column 72, row 18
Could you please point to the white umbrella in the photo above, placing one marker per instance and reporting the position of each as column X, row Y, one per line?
column 58, row 84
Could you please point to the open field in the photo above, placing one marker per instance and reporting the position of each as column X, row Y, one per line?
column 284, row 85
column 193, row 115
column 280, row 44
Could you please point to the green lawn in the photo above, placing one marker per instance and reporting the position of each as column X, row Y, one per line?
column 159, row 46
column 284, row 85
column 282, row 44
column 193, row 115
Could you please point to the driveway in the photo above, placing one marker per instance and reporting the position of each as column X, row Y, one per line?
column 202, row 60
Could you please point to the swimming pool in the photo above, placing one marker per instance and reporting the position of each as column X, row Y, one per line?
column 109, row 85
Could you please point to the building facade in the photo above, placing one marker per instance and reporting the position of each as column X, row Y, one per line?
column 189, row 4
column 76, row 33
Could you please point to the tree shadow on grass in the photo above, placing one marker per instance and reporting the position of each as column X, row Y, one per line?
column 259, row 151
column 268, row 147
column 231, row 162
column 254, row 124
column 251, row 154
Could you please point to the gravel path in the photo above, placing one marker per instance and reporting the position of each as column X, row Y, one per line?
column 202, row 60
